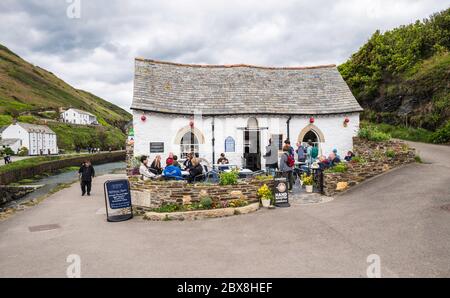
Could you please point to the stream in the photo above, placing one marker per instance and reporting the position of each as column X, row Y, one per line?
column 49, row 183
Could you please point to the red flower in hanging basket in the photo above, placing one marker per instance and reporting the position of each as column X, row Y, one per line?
column 311, row 120
column 347, row 120
column 191, row 123
column 143, row 117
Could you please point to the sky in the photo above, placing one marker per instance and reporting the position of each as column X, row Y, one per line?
column 91, row 44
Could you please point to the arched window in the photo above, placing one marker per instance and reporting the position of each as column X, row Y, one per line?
column 230, row 145
column 189, row 144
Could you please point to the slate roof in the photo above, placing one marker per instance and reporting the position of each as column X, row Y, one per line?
column 35, row 128
column 80, row 111
column 240, row 89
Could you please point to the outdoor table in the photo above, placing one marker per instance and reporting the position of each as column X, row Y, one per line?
column 184, row 173
column 224, row 166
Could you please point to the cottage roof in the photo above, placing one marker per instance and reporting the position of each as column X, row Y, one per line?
column 35, row 128
column 81, row 111
column 240, row 89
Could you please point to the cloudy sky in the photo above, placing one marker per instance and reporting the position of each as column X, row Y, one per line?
column 96, row 51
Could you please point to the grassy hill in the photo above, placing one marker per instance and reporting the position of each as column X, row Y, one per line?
column 29, row 89
column 402, row 78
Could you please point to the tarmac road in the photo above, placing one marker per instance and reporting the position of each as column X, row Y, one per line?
column 397, row 216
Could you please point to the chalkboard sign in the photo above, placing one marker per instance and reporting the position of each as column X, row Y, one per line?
column 118, row 198
column 157, row 147
column 281, row 192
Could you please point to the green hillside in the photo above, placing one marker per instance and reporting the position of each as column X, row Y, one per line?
column 402, row 77
column 29, row 89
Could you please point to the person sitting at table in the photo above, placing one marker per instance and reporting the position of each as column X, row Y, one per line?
column 170, row 158
column 188, row 162
column 175, row 162
column 156, row 165
column 195, row 170
column 336, row 153
column 349, row 156
column 172, row 171
column 143, row 169
column 333, row 159
column 222, row 160
column 324, row 163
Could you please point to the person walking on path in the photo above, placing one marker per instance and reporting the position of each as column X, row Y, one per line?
column 287, row 163
column 86, row 173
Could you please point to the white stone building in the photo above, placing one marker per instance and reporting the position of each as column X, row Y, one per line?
column 13, row 144
column 39, row 139
column 236, row 109
column 76, row 116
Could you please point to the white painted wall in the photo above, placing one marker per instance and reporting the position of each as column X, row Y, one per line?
column 75, row 117
column 14, row 147
column 35, row 142
column 163, row 128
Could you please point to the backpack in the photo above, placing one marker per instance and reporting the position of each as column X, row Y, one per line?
column 314, row 152
column 290, row 161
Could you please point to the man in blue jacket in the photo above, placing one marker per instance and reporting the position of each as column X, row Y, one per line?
column 172, row 171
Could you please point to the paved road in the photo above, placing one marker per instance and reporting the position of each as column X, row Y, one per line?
column 396, row 216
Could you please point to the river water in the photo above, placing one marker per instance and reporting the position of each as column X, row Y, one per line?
column 49, row 183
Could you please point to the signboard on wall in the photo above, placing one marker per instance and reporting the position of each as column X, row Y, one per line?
column 157, row 147
column 118, row 200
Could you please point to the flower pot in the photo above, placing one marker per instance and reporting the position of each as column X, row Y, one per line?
column 309, row 188
column 265, row 203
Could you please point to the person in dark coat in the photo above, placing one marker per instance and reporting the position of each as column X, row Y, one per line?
column 195, row 170
column 86, row 173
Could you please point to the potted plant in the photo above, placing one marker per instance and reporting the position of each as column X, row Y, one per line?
column 308, row 181
column 265, row 195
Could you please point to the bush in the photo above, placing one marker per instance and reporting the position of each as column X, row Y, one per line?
column 206, row 202
column 8, row 151
column 390, row 153
column 339, row 168
column 359, row 159
column 307, row 179
column 23, row 151
column 442, row 135
column 265, row 193
column 373, row 134
column 237, row 203
column 229, row 178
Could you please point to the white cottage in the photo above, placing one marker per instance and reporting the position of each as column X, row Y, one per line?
column 39, row 139
column 236, row 109
column 76, row 116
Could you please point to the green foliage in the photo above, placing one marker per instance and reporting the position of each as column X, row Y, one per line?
column 401, row 132
column 237, row 203
column 418, row 159
column 442, row 135
column 338, row 168
column 8, row 151
column 265, row 193
column 373, row 134
column 206, row 202
column 5, row 120
column 166, row 208
column 23, row 151
column 27, row 119
column 307, row 179
column 229, row 178
column 409, row 64
column 390, row 153
column 359, row 159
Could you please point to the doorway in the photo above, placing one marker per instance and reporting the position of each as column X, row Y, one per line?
column 252, row 148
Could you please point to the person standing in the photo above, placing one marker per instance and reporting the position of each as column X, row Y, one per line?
column 287, row 163
column 86, row 174
column 271, row 157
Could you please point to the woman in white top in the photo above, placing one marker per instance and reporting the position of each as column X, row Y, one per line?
column 144, row 171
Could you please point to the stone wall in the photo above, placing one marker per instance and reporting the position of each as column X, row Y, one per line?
column 147, row 195
column 375, row 162
column 52, row 166
column 12, row 193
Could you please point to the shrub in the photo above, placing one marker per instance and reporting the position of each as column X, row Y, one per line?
column 339, row 168
column 23, row 151
column 359, row 159
column 8, row 151
column 265, row 193
column 418, row 159
column 238, row 203
column 206, row 202
column 373, row 134
column 442, row 135
column 307, row 179
column 229, row 178
column 390, row 153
